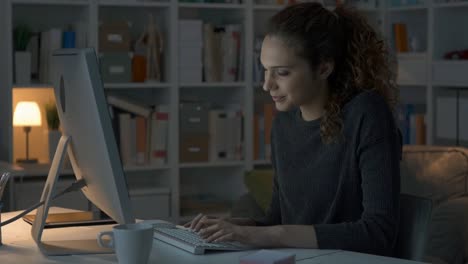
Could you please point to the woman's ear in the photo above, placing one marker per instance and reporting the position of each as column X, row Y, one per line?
column 325, row 69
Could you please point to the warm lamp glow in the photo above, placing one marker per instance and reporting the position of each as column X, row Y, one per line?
column 27, row 114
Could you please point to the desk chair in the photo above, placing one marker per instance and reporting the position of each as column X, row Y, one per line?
column 415, row 214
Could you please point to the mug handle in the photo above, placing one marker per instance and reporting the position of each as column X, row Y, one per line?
column 103, row 244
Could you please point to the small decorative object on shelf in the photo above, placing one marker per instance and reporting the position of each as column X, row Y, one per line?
column 414, row 44
column 456, row 55
column 22, row 35
column 27, row 115
column 153, row 51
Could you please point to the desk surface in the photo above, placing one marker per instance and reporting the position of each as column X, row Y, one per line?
column 13, row 168
column 20, row 248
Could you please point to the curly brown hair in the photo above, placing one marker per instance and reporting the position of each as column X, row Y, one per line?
column 361, row 58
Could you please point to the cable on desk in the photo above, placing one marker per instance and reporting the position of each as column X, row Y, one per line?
column 77, row 185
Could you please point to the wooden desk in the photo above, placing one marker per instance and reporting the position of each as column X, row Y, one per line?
column 16, row 171
column 19, row 248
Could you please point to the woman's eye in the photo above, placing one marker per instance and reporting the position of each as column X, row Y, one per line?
column 282, row 72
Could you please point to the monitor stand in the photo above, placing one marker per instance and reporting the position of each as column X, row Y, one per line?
column 61, row 247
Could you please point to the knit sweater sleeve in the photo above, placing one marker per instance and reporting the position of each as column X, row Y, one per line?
column 378, row 153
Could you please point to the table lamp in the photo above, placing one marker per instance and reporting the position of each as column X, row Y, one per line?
column 27, row 115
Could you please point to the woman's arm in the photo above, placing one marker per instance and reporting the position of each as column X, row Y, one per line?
column 218, row 230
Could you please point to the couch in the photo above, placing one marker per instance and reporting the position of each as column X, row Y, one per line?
column 435, row 172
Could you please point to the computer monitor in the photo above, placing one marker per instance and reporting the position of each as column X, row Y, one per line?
column 88, row 138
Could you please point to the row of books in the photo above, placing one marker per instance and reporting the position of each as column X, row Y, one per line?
column 141, row 132
column 42, row 44
column 222, row 53
column 209, row 52
column 412, row 124
column 258, row 72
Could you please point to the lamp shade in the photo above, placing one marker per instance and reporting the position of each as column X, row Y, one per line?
column 27, row 114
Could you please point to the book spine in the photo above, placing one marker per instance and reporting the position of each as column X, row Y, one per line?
column 159, row 136
column 126, row 139
column 141, row 142
column 401, row 37
column 420, row 129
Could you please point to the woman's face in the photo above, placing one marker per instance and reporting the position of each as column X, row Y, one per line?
column 288, row 78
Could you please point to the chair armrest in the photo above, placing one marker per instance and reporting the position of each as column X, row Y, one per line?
column 448, row 232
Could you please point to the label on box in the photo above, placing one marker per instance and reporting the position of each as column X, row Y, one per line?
column 194, row 149
column 194, row 120
column 114, row 38
column 116, row 69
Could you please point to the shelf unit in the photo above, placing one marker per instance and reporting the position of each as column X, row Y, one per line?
column 430, row 22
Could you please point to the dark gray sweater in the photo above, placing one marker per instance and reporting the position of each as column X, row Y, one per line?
column 348, row 190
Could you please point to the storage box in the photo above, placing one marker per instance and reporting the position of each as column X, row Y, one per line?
column 151, row 203
column 190, row 54
column 412, row 70
column 190, row 30
column 116, row 67
column 194, row 148
column 114, row 36
column 450, row 73
column 193, row 119
column 190, row 74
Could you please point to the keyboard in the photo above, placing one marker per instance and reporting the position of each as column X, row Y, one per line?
column 190, row 241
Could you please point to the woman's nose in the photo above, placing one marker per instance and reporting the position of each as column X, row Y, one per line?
column 268, row 83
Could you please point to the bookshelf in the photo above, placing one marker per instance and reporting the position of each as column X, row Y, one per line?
column 424, row 74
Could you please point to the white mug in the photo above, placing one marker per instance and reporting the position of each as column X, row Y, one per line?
column 132, row 242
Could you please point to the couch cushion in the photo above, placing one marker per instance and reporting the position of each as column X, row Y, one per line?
column 448, row 232
column 260, row 185
column 438, row 173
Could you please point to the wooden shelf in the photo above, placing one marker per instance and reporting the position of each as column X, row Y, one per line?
column 407, row 8
column 136, row 168
column 262, row 162
column 269, row 7
column 450, row 73
column 214, row 84
column 33, row 86
column 211, row 6
column 448, row 5
column 52, row 2
column 212, row 164
column 42, row 169
column 128, row 3
column 412, row 55
column 146, row 85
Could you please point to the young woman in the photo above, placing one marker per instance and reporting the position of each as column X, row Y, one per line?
column 335, row 145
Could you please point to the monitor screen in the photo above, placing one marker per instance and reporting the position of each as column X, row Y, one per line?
column 84, row 117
